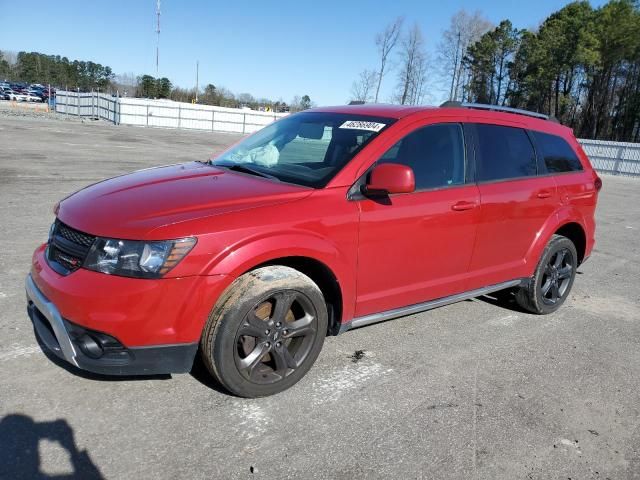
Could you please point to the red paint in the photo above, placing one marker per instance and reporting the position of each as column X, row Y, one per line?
column 414, row 247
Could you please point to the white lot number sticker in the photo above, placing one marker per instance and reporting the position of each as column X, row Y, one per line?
column 361, row 125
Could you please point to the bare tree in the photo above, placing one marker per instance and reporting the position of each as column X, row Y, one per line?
column 362, row 88
column 413, row 67
column 464, row 30
column 386, row 42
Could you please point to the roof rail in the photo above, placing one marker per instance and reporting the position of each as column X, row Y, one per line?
column 495, row 108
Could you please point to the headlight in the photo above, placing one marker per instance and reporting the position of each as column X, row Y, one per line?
column 131, row 258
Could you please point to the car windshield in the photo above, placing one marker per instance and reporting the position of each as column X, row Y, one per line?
column 308, row 148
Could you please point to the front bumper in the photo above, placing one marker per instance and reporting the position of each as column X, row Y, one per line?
column 99, row 353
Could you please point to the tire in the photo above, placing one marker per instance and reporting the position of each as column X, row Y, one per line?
column 553, row 278
column 265, row 332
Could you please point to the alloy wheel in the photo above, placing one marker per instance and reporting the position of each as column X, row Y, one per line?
column 557, row 276
column 275, row 337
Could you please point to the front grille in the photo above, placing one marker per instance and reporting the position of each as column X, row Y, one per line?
column 74, row 235
column 68, row 248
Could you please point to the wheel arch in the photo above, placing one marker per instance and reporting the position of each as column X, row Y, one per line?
column 568, row 223
column 319, row 260
column 322, row 276
column 576, row 233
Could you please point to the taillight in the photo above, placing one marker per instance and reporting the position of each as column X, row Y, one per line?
column 597, row 183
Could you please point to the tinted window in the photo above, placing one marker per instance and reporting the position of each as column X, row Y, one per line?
column 558, row 155
column 505, row 152
column 435, row 153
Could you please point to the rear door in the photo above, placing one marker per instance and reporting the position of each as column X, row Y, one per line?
column 515, row 203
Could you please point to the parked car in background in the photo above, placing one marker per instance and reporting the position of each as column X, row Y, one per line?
column 17, row 96
column 32, row 97
column 4, row 95
column 326, row 220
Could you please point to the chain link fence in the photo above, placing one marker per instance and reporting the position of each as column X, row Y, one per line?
column 617, row 158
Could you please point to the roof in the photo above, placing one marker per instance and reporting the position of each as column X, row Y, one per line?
column 376, row 109
column 400, row 111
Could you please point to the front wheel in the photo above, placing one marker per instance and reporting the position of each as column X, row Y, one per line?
column 266, row 331
column 553, row 278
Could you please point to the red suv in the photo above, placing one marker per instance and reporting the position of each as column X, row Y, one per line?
column 326, row 220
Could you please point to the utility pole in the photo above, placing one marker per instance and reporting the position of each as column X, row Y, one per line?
column 197, row 70
column 158, row 38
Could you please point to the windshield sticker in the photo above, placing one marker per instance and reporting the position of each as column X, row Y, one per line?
column 360, row 125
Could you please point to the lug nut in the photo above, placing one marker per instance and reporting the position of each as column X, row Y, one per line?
column 278, row 324
column 267, row 344
column 278, row 344
column 285, row 332
column 267, row 331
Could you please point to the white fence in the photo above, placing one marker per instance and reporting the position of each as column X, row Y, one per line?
column 617, row 158
column 162, row 113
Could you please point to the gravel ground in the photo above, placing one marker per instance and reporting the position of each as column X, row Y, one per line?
column 472, row 390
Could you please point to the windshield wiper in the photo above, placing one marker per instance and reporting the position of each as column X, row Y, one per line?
column 236, row 167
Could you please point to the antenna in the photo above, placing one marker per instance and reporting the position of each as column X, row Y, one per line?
column 158, row 39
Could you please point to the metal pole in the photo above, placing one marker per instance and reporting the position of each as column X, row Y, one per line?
column 147, row 114
column 244, row 122
column 197, row 71
column 179, row 114
column 78, row 100
column 213, row 119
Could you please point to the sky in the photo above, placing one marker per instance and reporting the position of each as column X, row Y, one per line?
column 269, row 49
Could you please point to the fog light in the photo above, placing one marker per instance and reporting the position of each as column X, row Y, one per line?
column 89, row 346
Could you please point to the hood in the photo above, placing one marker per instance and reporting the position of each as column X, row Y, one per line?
column 132, row 206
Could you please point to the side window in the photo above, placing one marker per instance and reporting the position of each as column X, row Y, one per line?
column 505, row 152
column 557, row 153
column 435, row 153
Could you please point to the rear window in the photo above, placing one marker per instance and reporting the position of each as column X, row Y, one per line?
column 557, row 153
column 505, row 152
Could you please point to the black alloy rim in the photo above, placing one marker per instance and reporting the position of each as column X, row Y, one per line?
column 276, row 337
column 557, row 276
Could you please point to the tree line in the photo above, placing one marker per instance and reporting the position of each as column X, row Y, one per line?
column 60, row 72
column 147, row 86
column 581, row 65
column 34, row 67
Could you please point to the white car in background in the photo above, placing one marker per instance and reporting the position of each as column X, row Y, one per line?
column 17, row 97
column 31, row 97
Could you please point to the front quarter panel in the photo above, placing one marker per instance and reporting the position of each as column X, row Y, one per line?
column 323, row 227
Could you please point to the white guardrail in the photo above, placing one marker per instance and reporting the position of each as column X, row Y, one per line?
column 162, row 113
column 617, row 158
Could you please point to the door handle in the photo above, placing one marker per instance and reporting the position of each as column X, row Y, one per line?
column 462, row 205
column 543, row 194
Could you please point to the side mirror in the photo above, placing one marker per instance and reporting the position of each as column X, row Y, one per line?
column 390, row 178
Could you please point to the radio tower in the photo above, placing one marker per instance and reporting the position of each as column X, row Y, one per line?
column 158, row 39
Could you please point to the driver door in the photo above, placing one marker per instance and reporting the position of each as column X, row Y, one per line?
column 417, row 246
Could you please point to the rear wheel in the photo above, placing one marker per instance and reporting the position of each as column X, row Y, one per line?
column 553, row 278
column 266, row 331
